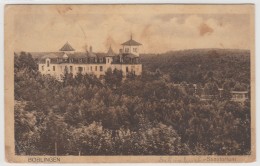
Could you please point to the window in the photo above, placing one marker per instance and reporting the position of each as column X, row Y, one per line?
column 53, row 68
column 95, row 68
column 66, row 69
column 48, row 63
column 80, row 69
column 107, row 60
column 126, row 49
column 42, row 68
column 101, row 68
column 90, row 68
column 71, row 69
column 126, row 69
column 132, row 68
column 135, row 49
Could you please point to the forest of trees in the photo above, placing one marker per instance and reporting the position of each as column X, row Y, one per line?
column 197, row 66
column 144, row 115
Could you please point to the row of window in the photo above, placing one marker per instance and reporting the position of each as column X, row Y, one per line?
column 127, row 50
column 53, row 67
column 79, row 68
column 91, row 68
column 80, row 60
column 115, row 60
column 132, row 69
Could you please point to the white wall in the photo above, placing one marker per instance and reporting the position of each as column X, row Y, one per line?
column 131, row 49
column 86, row 68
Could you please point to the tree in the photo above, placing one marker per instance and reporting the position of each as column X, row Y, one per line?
column 67, row 78
column 144, row 115
column 92, row 140
column 113, row 78
column 131, row 76
column 26, row 136
column 211, row 88
column 55, row 136
column 25, row 60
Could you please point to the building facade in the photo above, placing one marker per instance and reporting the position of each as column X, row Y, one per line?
column 70, row 61
column 239, row 96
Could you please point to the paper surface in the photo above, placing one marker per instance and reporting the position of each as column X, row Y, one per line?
column 129, row 83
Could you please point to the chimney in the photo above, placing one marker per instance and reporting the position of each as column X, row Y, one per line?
column 90, row 49
column 85, row 47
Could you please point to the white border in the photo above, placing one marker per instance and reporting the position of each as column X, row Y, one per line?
column 257, row 62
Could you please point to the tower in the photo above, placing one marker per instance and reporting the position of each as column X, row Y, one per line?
column 110, row 55
column 131, row 46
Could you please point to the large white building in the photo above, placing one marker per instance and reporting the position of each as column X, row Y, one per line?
column 68, row 60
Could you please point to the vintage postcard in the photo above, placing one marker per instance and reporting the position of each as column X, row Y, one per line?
column 129, row 83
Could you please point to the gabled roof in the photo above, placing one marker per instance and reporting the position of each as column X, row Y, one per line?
column 67, row 47
column 110, row 52
column 131, row 42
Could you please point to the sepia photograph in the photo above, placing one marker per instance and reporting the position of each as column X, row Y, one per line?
column 129, row 83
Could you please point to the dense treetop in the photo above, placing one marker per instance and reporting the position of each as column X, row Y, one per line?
column 153, row 114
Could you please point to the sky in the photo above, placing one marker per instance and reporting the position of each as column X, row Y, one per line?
column 44, row 29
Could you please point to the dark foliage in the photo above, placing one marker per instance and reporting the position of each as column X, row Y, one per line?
column 202, row 65
column 146, row 115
